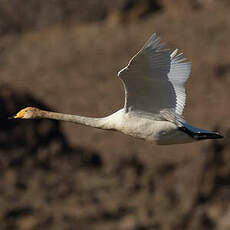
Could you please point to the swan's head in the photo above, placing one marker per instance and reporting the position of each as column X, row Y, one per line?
column 27, row 113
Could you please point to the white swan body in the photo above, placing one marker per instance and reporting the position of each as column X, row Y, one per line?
column 161, row 132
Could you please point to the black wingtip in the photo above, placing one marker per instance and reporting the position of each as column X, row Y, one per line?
column 201, row 135
column 218, row 136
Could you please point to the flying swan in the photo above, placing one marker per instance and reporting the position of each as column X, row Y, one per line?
column 155, row 97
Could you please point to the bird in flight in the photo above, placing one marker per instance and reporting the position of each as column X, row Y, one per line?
column 155, row 97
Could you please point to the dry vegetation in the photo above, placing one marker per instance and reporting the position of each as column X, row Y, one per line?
column 63, row 55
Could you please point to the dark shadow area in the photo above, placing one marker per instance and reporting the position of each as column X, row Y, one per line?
column 18, row 212
column 147, row 6
column 41, row 140
column 222, row 71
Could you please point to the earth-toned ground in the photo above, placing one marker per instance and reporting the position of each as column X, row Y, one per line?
column 64, row 56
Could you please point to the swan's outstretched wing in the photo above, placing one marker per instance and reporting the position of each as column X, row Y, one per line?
column 154, row 80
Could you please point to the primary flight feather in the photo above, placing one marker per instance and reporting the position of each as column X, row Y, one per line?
column 154, row 99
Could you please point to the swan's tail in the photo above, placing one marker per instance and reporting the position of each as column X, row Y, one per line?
column 199, row 134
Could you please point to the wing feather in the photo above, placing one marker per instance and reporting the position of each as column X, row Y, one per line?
column 154, row 79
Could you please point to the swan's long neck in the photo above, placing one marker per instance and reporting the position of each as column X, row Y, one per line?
column 101, row 123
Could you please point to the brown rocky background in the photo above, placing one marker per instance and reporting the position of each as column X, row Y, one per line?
column 63, row 56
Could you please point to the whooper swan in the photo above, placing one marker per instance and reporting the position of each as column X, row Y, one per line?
column 155, row 97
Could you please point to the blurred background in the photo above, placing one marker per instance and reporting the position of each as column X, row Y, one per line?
column 63, row 56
